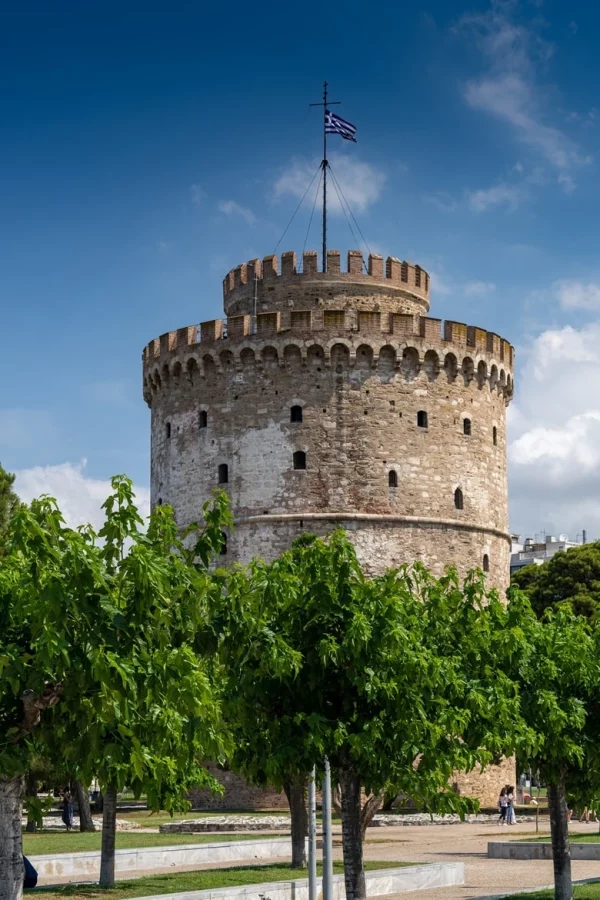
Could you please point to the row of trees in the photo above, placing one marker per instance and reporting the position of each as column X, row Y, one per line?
column 125, row 655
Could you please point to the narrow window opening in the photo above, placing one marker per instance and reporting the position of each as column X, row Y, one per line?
column 223, row 550
column 299, row 459
column 168, row 430
column 159, row 501
column 393, row 478
column 422, row 419
column 495, row 435
column 223, row 473
column 486, row 563
column 458, row 498
column 467, row 426
column 296, row 414
column 202, row 419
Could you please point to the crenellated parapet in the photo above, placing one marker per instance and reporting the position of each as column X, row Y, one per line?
column 282, row 283
column 411, row 344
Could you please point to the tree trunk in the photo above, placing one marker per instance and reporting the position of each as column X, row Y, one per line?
column 336, row 799
column 354, row 872
column 86, row 823
column 388, row 803
column 295, row 791
column 31, row 790
column 561, row 851
column 109, row 835
column 11, row 839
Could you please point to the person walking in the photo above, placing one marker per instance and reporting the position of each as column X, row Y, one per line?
column 67, row 815
column 511, row 818
column 502, row 807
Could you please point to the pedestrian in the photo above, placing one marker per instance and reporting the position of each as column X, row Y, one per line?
column 502, row 807
column 67, row 815
column 511, row 818
column 30, row 878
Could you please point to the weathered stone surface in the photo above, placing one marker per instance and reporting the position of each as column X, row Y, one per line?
column 55, row 823
column 282, row 823
column 227, row 823
column 238, row 794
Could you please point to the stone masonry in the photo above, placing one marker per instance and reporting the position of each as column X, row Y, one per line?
column 330, row 399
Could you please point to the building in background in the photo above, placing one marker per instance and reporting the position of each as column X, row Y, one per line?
column 535, row 553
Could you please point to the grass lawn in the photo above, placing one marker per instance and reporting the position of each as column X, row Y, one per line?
column 77, row 842
column 574, row 837
column 209, row 879
column 581, row 892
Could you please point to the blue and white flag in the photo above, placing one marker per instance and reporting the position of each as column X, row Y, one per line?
column 336, row 125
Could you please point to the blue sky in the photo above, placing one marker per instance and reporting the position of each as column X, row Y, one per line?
column 147, row 148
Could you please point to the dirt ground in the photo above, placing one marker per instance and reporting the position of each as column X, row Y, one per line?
column 468, row 844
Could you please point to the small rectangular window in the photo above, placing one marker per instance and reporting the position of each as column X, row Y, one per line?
column 299, row 459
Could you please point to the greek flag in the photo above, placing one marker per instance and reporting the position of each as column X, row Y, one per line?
column 336, row 125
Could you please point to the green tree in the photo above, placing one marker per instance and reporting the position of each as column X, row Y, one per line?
column 260, row 669
column 570, row 576
column 558, row 673
column 399, row 679
column 101, row 657
column 9, row 501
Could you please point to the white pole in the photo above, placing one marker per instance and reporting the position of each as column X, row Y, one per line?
column 312, row 837
column 327, row 842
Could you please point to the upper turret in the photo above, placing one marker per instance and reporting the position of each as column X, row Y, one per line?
column 397, row 287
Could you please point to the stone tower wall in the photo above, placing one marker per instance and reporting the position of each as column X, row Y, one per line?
column 363, row 363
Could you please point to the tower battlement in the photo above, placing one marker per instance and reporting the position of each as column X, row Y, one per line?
column 327, row 327
column 398, row 283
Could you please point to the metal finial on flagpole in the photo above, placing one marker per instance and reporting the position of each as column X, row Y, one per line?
column 325, row 104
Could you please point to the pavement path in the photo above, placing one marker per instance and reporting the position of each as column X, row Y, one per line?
column 468, row 844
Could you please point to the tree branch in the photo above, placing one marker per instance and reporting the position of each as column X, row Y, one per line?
column 33, row 706
column 372, row 804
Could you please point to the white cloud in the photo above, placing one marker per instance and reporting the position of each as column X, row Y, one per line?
column 511, row 87
column 554, row 434
column 439, row 285
column 573, row 28
column 361, row 183
column 567, row 182
column 501, row 195
column 441, row 200
column 577, row 295
column 231, row 208
column 79, row 497
column 479, row 288
column 197, row 194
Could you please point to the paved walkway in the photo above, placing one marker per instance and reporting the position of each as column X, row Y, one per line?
column 468, row 844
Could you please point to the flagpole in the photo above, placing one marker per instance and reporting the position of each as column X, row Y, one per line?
column 324, row 267
column 325, row 103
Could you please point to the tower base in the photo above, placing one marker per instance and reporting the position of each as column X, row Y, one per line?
column 486, row 785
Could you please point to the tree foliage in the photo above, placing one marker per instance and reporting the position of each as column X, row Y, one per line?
column 400, row 679
column 558, row 676
column 570, row 576
column 9, row 501
column 103, row 647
